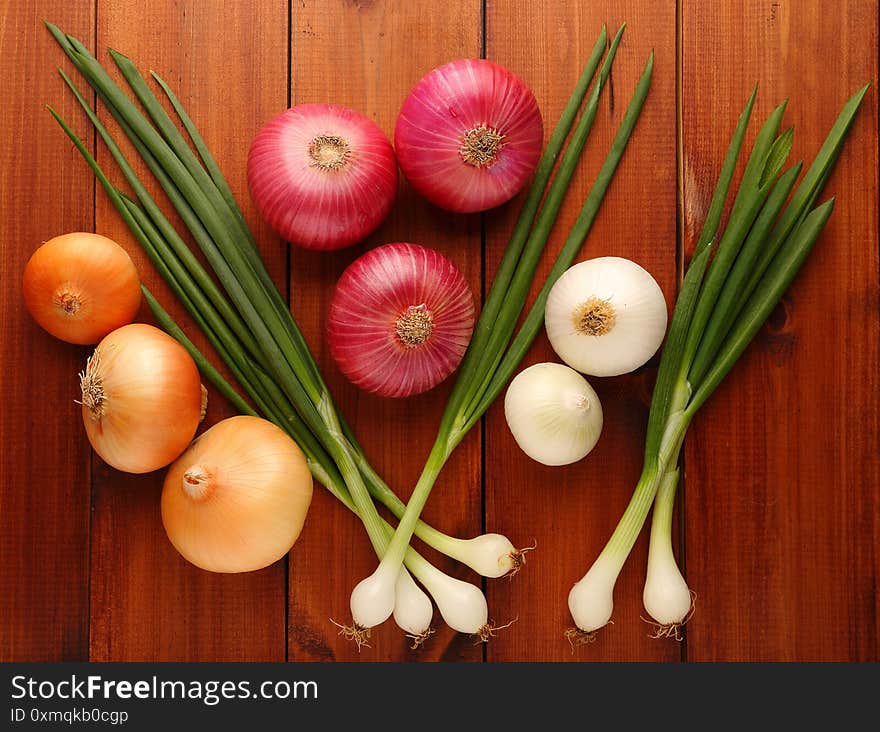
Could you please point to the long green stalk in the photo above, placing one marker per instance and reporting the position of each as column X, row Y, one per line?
column 534, row 320
column 757, row 181
column 522, row 229
column 239, row 271
column 668, row 395
column 459, row 416
column 508, row 293
column 717, row 328
column 773, row 284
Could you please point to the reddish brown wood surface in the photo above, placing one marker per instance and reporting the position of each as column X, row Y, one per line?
column 147, row 601
column 44, row 467
column 781, row 516
column 782, row 478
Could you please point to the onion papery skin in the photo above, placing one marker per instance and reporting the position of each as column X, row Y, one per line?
column 371, row 297
column 444, row 106
column 150, row 399
column 637, row 326
column 322, row 207
column 81, row 286
column 253, row 503
column 553, row 413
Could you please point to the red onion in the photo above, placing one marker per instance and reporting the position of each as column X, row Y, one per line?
column 469, row 135
column 323, row 176
column 400, row 319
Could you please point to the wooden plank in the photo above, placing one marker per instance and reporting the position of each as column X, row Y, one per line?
column 782, row 477
column 570, row 512
column 44, row 468
column 228, row 64
column 368, row 55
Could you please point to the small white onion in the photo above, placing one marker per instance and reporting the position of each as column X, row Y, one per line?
column 412, row 607
column 606, row 316
column 591, row 600
column 553, row 413
column 666, row 596
column 462, row 604
column 372, row 599
column 489, row 555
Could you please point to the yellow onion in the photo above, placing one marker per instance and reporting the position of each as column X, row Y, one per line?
column 81, row 286
column 237, row 499
column 141, row 398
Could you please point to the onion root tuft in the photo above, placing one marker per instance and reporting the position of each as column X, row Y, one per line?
column 91, row 385
column 418, row 640
column 488, row 631
column 518, row 558
column 354, row 632
column 577, row 637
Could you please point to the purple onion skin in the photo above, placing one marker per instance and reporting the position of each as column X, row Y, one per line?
column 364, row 327
column 327, row 205
column 444, row 106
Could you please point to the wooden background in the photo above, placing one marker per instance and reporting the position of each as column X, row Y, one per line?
column 780, row 519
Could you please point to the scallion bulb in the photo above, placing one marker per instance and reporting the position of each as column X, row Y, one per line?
column 412, row 609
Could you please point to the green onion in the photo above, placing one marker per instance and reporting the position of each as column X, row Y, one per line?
column 719, row 310
column 491, row 359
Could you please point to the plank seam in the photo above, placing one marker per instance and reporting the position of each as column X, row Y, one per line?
column 90, row 456
column 679, row 275
column 287, row 295
column 483, row 582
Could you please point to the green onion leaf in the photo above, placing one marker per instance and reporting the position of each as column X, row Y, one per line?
column 771, row 287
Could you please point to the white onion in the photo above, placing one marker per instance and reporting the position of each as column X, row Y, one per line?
column 553, row 413
column 591, row 600
column 666, row 597
column 489, row 555
column 605, row 316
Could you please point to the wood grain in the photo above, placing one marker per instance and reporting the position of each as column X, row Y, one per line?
column 363, row 55
column 148, row 603
column 781, row 495
column 782, row 476
column 44, row 472
column 570, row 512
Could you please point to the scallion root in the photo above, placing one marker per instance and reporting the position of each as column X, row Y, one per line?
column 577, row 637
column 354, row 632
column 671, row 630
column 418, row 640
column 518, row 559
column 488, row 631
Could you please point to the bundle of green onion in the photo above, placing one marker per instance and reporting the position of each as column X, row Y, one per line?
column 252, row 330
column 494, row 352
column 721, row 306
